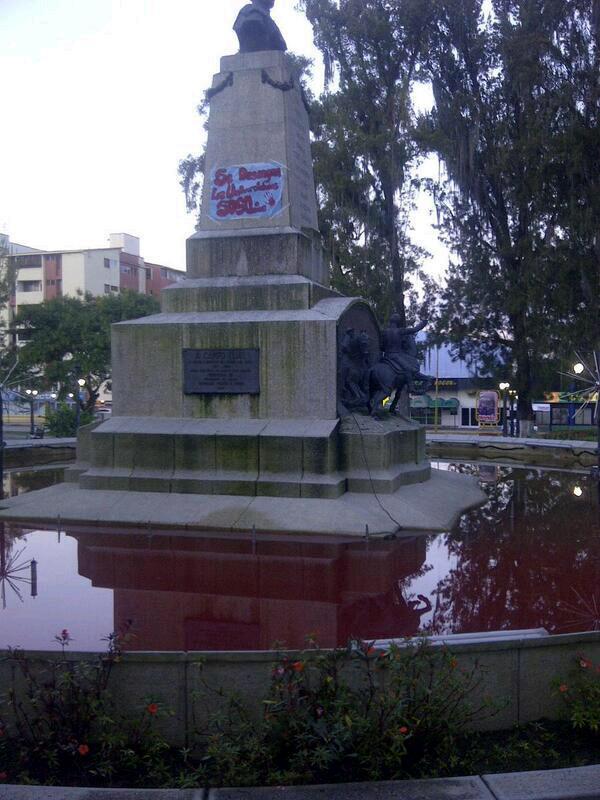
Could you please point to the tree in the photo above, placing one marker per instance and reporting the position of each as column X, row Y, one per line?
column 363, row 146
column 507, row 103
column 7, row 288
column 69, row 338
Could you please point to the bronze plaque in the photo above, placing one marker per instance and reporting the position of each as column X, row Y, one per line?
column 221, row 371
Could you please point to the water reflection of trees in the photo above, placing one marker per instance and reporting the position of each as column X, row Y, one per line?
column 529, row 558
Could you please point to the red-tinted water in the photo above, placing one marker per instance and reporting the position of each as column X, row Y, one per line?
column 529, row 558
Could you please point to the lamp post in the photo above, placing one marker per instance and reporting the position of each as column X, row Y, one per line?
column 589, row 374
column 31, row 394
column 80, row 385
column 1, row 443
column 503, row 387
column 513, row 398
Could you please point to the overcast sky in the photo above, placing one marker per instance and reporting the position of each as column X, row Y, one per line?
column 98, row 105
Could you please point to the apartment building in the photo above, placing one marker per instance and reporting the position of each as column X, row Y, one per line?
column 43, row 275
column 7, row 310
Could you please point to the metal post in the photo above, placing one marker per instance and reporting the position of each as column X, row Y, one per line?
column 512, row 415
column 77, row 410
column 505, row 413
column 1, row 445
column 437, row 387
column 31, row 420
column 597, row 360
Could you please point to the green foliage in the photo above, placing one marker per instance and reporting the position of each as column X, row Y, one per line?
column 63, row 421
column 363, row 147
column 59, row 725
column 70, row 338
column 346, row 715
column 535, row 746
column 581, row 695
column 515, row 123
column 7, row 275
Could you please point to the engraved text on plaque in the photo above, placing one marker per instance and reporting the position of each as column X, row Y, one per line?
column 221, row 371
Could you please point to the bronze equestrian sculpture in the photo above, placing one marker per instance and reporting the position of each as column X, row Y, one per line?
column 256, row 30
column 398, row 368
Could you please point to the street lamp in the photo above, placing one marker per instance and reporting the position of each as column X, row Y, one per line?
column 31, row 394
column 80, row 385
column 503, row 387
column 514, row 419
column 589, row 374
column 511, row 396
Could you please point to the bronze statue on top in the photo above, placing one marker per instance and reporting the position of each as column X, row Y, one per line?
column 256, row 30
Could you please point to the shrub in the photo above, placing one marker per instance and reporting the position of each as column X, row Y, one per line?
column 581, row 694
column 63, row 421
column 58, row 725
column 347, row 715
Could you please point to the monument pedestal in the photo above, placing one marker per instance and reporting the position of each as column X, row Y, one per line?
column 227, row 404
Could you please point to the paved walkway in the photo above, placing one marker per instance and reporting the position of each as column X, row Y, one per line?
column 582, row 783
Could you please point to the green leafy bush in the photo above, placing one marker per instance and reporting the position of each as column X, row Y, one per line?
column 347, row 715
column 581, row 694
column 63, row 421
column 58, row 725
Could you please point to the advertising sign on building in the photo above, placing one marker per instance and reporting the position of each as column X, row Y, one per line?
column 488, row 408
column 246, row 191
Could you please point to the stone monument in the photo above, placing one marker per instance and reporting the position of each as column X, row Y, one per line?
column 230, row 407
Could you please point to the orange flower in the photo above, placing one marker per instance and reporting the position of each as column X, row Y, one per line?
column 152, row 708
column 404, row 730
column 298, row 666
column 453, row 663
column 563, row 688
column 372, row 651
column 83, row 749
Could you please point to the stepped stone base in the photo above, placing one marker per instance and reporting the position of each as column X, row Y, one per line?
column 253, row 457
column 430, row 506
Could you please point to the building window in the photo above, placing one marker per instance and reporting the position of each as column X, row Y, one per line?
column 114, row 289
column 29, row 261
column 468, row 417
column 29, row 286
column 125, row 270
column 164, row 273
column 148, row 275
column 425, row 416
column 107, row 263
column 106, row 288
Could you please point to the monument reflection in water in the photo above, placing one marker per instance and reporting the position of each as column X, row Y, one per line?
column 193, row 593
column 529, row 558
